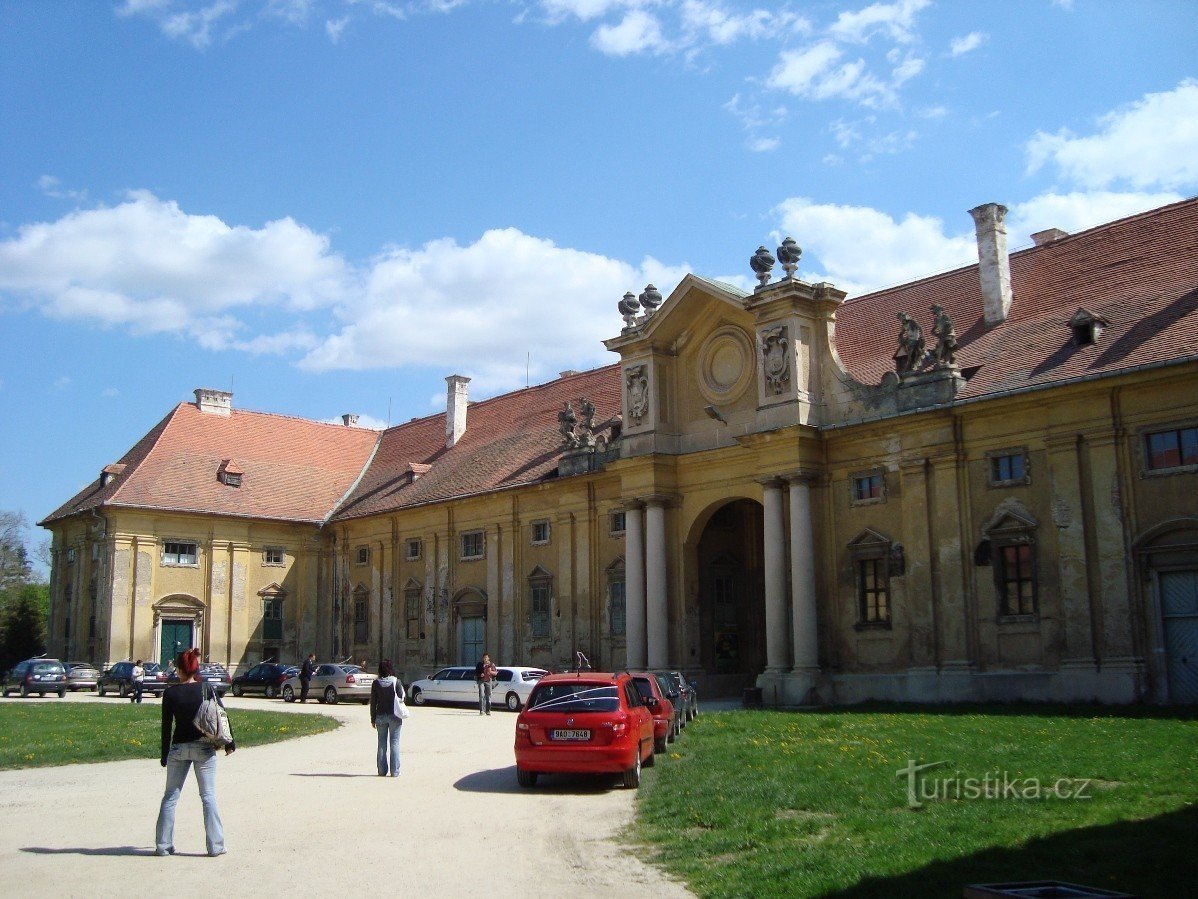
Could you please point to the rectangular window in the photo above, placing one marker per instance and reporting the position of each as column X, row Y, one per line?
column 95, row 552
column 273, row 555
column 472, row 545
column 1017, row 579
column 1171, row 449
column 91, row 628
column 361, row 621
column 539, row 610
column 873, row 591
column 71, row 555
column 1008, row 467
column 617, row 523
column 272, row 619
column 540, row 532
column 868, row 487
column 363, row 555
column 411, row 600
column 411, row 550
column 174, row 553
column 615, row 591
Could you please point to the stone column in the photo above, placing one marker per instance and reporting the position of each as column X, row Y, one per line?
column 656, row 598
column 774, row 551
column 802, row 574
column 634, row 598
column 920, row 589
column 1072, row 573
column 1114, row 627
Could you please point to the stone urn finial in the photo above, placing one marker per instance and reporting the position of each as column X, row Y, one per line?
column 650, row 299
column 762, row 264
column 788, row 254
column 628, row 308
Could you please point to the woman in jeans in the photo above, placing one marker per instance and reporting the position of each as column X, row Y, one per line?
column 185, row 748
column 386, row 697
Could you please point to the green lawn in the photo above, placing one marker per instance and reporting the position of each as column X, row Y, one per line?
column 37, row 734
column 810, row 804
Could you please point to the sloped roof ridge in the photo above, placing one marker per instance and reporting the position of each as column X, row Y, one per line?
column 544, row 385
column 1031, row 248
column 128, row 474
column 299, row 418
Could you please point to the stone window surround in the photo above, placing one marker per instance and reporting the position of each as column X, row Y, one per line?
column 411, row 598
column 268, row 553
column 463, row 555
column 855, row 476
column 548, row 531
column 540, row 579
column 874, row 548
column 1013, row 526
column 614, row 516
column 362, row 555
column 991, row 455
column 408, row 545
column 178, row 541
column 70, row 555
column 1142, row 435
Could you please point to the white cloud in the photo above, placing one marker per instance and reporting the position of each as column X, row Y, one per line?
column 817, row 73
column 294, row 12
column 486, row 305
column 334, row 27
column 1152, row 143
column 584, row 10
column 196, row 27
column 637, row 32
column 52, row 187
column 893, row 20
column 710, row 20
column 962, row 45
column 764, row 144
column 862, row 249
column 62, row 383
column 754, row 120
column 1075, row 212
column 364, row 421
column 110, row 393
column 150, row 266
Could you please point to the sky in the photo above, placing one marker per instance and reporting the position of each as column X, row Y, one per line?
column 328, row 206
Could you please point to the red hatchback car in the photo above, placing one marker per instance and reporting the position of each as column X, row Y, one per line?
column 665, row 719
column 584, row 723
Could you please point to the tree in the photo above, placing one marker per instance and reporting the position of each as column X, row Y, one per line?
column 14, row 559
column 23, row 624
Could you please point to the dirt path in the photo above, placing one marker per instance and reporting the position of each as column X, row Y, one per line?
column 310, row 815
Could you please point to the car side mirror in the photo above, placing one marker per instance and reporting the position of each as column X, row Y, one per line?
column 652, row 702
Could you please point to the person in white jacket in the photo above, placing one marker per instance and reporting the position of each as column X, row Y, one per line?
column 386, row 716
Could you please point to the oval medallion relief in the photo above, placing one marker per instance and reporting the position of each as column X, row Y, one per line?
column 725, row 365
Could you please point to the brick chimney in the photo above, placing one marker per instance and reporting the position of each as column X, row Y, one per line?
column 214, row 402
column 994, row 268
column 455, row 408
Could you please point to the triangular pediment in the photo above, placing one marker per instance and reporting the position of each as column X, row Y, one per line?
column 1010, row 517
column 868, row 538
column 675, row 316
column 413, row 584
column 273, row 590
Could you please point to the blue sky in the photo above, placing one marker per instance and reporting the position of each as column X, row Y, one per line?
column 330, row 205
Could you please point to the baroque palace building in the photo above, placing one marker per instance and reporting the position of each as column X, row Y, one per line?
column 767, row 488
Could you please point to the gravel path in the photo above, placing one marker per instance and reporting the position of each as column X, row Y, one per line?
column 310, row 815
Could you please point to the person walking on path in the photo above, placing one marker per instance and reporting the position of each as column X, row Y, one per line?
column 139, row 676
column 306, row 676
column 187, row 747
column 386, row 716
column 484, row 673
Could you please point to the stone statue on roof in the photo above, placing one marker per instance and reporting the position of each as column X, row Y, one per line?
column 567, row 422
column 945, row 351
column 586, row 428
column 909, row 355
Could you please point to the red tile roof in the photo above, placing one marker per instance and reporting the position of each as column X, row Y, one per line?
column 292, row 469
column 1139, row 273
column 509, row 440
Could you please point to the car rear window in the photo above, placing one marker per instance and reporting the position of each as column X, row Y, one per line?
column 575, row 698
column 533, row 675
column 48, row 668
column 643, row 687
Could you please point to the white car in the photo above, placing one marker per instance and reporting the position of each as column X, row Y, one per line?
column 332, row 684
column 456, row 684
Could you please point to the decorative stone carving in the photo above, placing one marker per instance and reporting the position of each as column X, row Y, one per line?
column 567, row 421
column 636, row 386
column 762, row 264
column 628, row 309
column 775, row 357
column 909, row 355
column 788, row 254
column 945, row 352
column 650, row 299
column 586, row 427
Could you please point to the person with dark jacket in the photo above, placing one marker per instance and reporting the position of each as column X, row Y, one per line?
column 386, row 716
column 306, row 671
column 184, row 748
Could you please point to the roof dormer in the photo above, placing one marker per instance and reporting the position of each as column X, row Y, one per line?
column 1086, row 326
column 229, row 473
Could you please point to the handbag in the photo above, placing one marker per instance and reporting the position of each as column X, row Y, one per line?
column 213, row 722
column 401, row 709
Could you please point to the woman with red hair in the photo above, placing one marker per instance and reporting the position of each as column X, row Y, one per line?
column 187, row 747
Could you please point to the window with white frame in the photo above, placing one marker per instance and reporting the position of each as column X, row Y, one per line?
column 472, row 545
column 540, row 532
column 868, row 487
column 177, row 552
column 273, row 555
column 411, row 549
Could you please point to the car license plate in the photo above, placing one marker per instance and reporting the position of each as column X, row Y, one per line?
column 577, row 735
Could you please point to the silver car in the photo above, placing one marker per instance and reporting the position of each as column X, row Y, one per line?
column 456, row 684
column 332, row 684
column 82, row 676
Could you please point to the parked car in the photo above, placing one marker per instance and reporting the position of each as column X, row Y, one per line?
column 40, row 676
column 584, row 723
column 82, row 676
column 513, row 685
column 653, row 689
column 266, row 678
column 120, row 678
column 332, row 683
column 215, row 676
column 688, row 696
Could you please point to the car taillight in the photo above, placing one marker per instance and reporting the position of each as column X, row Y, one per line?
column 522, row 732
column 520, row 725
column 349, row 679
column 618, row 727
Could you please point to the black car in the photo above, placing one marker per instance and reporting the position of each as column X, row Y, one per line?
column 686, row 692
column 120, row 678
column 39, row 676
column 265, row 678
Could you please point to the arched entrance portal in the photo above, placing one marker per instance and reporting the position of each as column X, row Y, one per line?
column 731, row 596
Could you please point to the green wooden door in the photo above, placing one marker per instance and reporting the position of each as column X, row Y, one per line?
column 176, row 637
